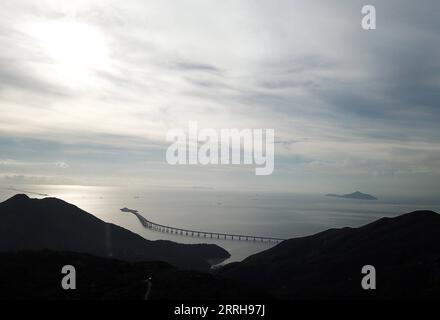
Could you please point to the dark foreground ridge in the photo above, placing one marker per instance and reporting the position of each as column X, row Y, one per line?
column 50, row 223
column 404, row 250
column 36, row 275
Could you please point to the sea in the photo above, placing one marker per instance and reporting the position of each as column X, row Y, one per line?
column 279, row 215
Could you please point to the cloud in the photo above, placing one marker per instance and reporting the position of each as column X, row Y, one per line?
column 11, row 163
column 191, row 66
column 306, row 69
column 19, row 179
column 61, row 165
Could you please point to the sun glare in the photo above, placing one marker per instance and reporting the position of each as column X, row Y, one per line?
column 74, row 48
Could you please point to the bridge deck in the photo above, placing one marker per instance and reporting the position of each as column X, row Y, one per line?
column 197, row 233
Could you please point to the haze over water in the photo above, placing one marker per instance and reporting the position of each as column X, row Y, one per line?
column 283, row 215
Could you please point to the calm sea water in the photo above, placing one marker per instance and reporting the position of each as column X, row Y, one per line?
column 273, row 215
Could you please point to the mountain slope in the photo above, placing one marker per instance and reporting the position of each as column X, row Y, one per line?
column 36, row 275
column 404, row 250
column 50, row 223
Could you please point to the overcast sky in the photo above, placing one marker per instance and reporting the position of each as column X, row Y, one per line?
column 88, row 90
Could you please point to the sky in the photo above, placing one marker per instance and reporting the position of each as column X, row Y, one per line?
column 89, row 89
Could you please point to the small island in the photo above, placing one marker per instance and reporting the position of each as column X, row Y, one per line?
column 355, row 195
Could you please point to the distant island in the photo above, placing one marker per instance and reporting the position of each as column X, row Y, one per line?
column 355, row 195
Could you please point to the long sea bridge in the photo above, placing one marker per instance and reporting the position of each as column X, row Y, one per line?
column 197, row 233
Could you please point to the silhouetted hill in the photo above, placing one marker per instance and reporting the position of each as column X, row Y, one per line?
column 37, row 275
column 404, row 250
column 355, row 195
column 50, row 223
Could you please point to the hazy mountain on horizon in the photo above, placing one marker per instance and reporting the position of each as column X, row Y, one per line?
column 355, row 195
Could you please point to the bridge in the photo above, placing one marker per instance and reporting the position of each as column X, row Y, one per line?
column 197, row 233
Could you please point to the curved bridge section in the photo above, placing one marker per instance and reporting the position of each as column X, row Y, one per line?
column 196, row 233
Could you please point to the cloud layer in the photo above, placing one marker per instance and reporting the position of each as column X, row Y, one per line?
column 351, row 103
